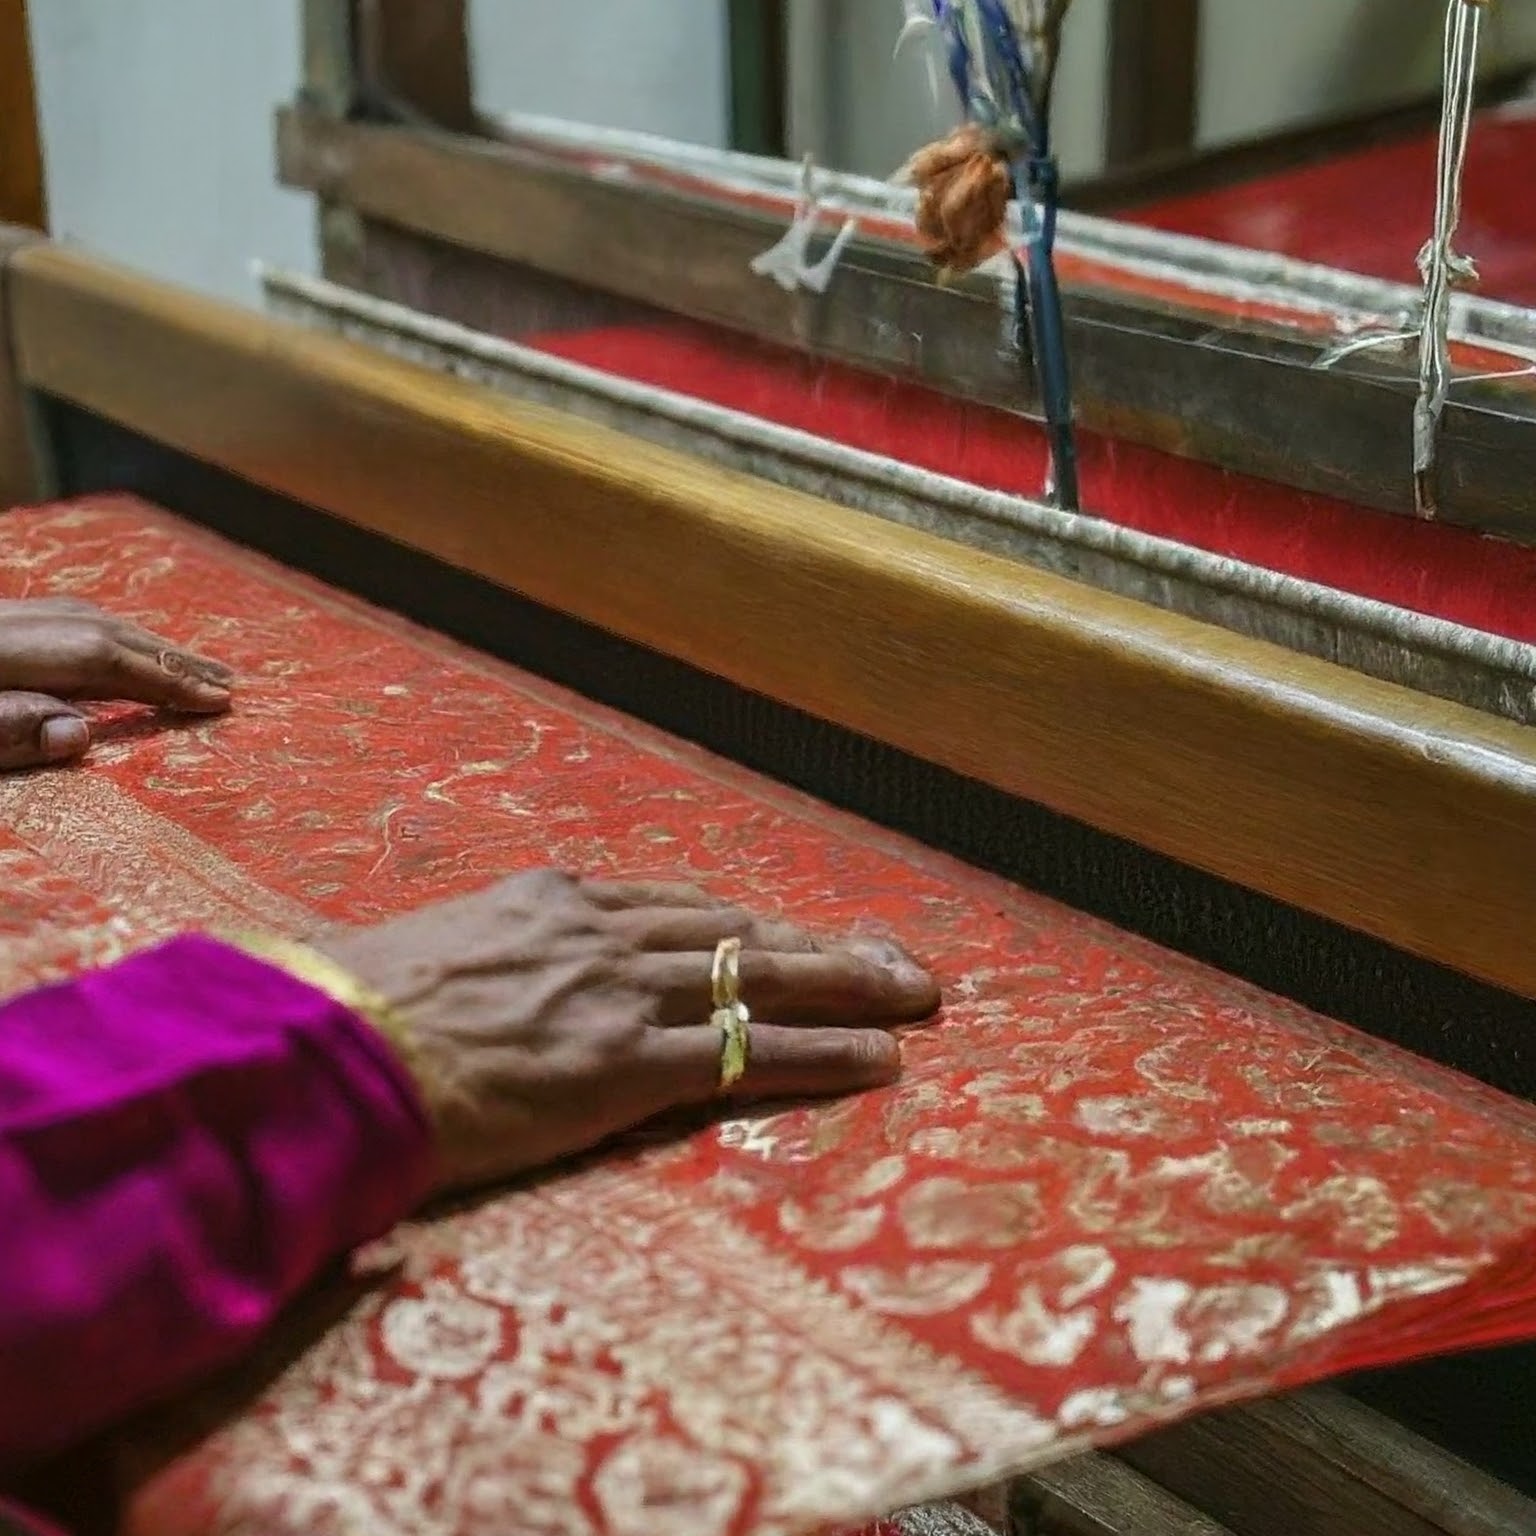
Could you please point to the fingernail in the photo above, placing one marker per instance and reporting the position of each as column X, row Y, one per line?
column 64, row 737
column 885, row 1060
column 902, row 968
column 881, row 951
column 212, row 695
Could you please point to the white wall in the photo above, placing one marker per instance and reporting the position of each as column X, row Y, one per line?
column 157, row 134
column 878, row 107
column 1265, row 65
column 655, row 66
column 157, row 114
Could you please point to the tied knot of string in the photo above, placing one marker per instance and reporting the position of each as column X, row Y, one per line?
column 1442, row 268
column 964, row 184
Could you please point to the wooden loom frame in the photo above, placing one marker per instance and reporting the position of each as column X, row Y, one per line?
column 23, row 195
column 386, row 150
column 1395, row 814
column 1359, row 800
column 292, row 413
column 1401, row 816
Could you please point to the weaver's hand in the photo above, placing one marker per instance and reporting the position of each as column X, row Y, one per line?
column 548, row 1013
column 53, row 650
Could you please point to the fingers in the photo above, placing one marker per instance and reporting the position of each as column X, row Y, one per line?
column 169, row 679
column 36, row 730
column 73, row 650
column 173, row 659
column 787, row 974
column 698, row 930
column 859, row 982
column 783, row 1063
column 617, row 895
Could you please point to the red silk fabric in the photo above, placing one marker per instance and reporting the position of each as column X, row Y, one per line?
column 1371, row 210
column 1115, row 1187
column 1429, row 568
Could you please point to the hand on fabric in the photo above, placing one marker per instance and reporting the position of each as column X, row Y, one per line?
column 550, row 1013
column 53, row 650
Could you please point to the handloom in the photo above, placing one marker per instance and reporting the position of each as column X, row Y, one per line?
column 1190, row 510
column 1114, row 1189
column 1188, row 1131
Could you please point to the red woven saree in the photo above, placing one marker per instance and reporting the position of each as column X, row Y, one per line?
column 1114, row 1188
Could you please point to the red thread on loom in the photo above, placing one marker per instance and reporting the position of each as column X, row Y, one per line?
column 963, row 186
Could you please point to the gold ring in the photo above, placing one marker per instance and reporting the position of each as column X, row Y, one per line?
column 730, row 1014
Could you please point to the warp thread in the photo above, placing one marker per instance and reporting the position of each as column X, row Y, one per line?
column 1440, row 265
column 1003, row 73
column 1442, row 268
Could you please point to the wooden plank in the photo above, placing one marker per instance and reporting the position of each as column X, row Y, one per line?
column 1099, row 1496
column 330, row 56
column 1154, row 80
column 1321, row 1463
column 416, row 62
column 22, row 198
column 1394, row 813
column 18, row 466
column 332, row 89
column 1137, row 365
column 759, row 39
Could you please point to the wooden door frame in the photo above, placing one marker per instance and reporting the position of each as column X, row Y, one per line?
column 1153, row 81
column 23, row 196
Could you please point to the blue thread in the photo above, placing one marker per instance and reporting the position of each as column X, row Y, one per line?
column 1005, row 101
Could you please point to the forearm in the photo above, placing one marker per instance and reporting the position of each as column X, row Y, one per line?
column 185, row 1141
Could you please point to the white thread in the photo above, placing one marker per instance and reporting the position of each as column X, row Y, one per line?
column 788, row 262
column 1439, row 264
column 1528, row 372
column 1336, row 355
column 917, row 21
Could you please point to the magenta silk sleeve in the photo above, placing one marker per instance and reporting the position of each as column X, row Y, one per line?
column 186, row 1139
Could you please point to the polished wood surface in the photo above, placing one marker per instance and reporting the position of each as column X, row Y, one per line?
column 1404, row 817
column 22, row 199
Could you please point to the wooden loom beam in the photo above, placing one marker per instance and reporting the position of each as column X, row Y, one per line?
column 396, row 58
column 1138, row 363
column 1398, row 815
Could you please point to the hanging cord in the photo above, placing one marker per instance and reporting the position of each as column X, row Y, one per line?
column 788, row 262
column 1003, row 74
column 1442, row 269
